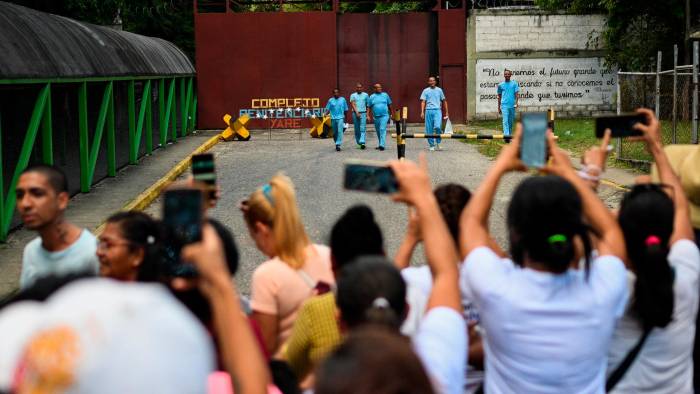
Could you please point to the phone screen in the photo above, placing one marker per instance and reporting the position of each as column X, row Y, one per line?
column 620, row 126
column 533, row 146
column 373, row 177
column 203, row 170
column 182, row 219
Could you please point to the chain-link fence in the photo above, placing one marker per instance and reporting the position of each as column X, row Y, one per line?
column 672, row 94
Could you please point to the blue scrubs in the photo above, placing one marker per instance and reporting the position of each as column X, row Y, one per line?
column 433, row 98
column 379, row 103
column 337, row 108
column 360, row 122
column 508, row 90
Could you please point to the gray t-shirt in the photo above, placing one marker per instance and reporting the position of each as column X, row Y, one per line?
column 38, row 262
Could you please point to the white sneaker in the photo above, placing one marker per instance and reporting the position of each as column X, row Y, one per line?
column 438, row 147
column 432, row 149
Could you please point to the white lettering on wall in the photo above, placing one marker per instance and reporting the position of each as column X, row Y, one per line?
column 547, row 82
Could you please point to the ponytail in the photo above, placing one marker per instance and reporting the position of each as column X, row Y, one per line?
column 380, row 313
column 370, row 290
column 275, row 205
column 545, row 219
column 646, row 239
column 653, row 289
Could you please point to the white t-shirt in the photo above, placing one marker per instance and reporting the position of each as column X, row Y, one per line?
column 441, row 345
column 544, row 332
column 419, row 283
column 665, row 362
column 38, row 262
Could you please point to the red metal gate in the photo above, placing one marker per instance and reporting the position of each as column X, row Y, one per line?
column 397, row 50
column 280, row 68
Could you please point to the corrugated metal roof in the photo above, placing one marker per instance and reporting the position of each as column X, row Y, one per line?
column 35, row 44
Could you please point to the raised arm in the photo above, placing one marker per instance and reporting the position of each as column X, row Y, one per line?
column 241, row 354
column 682, row 227
column 415, row 190
column 611, row 240
column 474, row 220
column 402, row 259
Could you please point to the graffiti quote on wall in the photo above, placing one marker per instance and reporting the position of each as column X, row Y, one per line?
column 283, row 113
column 547, row 82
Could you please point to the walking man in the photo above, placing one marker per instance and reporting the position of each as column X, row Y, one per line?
column 61, row 247
column 380, row 108
column 358, row 100
column 431, row 101
column 508, row 101
column 337, row 106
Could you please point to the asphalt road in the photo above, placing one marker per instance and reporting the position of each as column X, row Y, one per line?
column 316, row 169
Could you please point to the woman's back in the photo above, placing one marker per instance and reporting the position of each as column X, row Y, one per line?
column 545, row 332
column 665, row 362
column 277, row 289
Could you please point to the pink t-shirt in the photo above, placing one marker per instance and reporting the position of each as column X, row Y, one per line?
column 278, row 289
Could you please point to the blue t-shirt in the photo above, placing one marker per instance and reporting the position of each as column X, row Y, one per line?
column 337, row 107
column 38, row 262
column 379, row 102
column 507, row 90
column 360, row 100
column 433, row 97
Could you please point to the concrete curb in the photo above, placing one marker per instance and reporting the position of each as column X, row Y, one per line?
column 144, row 199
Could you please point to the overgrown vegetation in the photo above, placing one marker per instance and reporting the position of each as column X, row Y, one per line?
column 635, row 30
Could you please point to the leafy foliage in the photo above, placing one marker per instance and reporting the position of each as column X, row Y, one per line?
column 636, row 29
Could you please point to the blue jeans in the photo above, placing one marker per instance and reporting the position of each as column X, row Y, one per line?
column 380, row 125
column 360, row 125
column 508, row 119
column 337, row 125
column 433, row 124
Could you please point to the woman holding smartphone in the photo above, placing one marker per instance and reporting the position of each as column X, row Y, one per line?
column 296, row 269
column 547, row 325
column 659, row 322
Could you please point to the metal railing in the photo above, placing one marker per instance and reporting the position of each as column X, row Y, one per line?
column 40, row 123
column 673, row 94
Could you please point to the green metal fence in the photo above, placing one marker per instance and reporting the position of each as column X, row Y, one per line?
column 140, row 122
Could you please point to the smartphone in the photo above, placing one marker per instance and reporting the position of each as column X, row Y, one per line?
column 203, row 170
column 619, row 125
column 369, row 176
column 182, row 219
column 533, row 146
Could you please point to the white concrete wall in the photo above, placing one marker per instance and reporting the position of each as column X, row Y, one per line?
column 556, row 58
column 495, row 33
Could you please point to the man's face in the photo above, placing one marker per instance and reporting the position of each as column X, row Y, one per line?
column 37, row 202
column 358, row 88
column 377, row 88
column 432, row 82
column 336, row 93
column 507, row 75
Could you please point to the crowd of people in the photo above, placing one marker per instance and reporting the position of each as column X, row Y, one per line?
column 584, row 299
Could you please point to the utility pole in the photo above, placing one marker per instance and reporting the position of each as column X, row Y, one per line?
column 687, row 32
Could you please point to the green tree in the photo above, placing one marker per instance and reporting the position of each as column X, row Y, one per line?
column 635, row 29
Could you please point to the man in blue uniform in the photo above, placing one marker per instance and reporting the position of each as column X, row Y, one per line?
column 431, row 101
column 336, row 107
column 380, row 108
column 508, row 101
column 358, row 101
